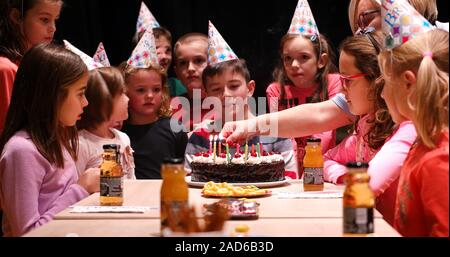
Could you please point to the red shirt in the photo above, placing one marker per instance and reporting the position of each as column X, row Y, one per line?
column 421, row 208
column 8, row 72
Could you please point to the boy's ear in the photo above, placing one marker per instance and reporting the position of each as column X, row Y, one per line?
column 15, row 16
column 251, row 87
column 323, row 60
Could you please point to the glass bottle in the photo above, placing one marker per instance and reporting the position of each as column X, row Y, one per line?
column 111, row 176
column 358, row 201
column 174, row 195
column 313, row 166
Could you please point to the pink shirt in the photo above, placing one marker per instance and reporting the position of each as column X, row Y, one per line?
column 8, row 71
column 32, row 190
column 384, row 165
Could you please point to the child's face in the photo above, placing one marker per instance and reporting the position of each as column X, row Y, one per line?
column 120, row 108
column 230, row 87
column 164, row 52
column 72, row 107
column 367, row 14
column 357, row 89
column 38, row 25
column 191, row 61
column 300, row 62
column 145, row 92
column 394, row 98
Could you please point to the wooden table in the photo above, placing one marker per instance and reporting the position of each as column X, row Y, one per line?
column 297, row 227
column 277, row 217
column 147, row 192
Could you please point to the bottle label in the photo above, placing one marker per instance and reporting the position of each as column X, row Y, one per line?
column 313, row 176
column 358, row 220
column 111, row 186
column 172, row 214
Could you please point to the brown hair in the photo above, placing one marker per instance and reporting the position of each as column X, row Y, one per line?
column 104, row 85
column 157, row 33
column 189, row 38
column 365, row 49
column 236, row 66
column 12, row 41
column 321, row 45
column 165, row 110
column 431, row 92
column 41, row 86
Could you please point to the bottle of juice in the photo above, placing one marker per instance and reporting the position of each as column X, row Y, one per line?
column 174, row 195
column 111, row 176
column 313, row 166
column 358, row 201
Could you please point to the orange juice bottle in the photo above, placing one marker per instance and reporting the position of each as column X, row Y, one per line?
column 313, row 166
column 174, row 195
column 358, row 201
column 111, row 176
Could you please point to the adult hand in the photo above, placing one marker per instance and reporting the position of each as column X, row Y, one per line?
column 239, row 131
column 90, row 180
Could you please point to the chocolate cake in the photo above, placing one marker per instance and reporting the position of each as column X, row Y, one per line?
column 266, row 168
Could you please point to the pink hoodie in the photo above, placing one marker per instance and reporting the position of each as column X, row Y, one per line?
column 384, row 165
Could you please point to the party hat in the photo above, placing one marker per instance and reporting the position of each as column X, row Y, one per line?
column 303, row 21
column 144, row 55
column 100, row 56
column 90, row 63
column 145, row 20
column 401, row 22
column 218, row 50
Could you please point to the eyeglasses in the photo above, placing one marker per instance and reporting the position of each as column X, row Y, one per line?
column 365, row 18
column 345, row 80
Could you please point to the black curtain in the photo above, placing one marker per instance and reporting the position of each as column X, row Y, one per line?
column 252, row 28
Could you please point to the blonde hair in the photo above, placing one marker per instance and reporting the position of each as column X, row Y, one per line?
column 352, row 13
column 164, row 111
column 431, row 92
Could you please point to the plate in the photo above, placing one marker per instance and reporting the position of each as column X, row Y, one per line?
column 258, row 184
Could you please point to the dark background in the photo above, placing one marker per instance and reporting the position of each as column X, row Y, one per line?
column 251, row 28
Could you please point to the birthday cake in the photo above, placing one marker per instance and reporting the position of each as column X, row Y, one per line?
column 268, row 167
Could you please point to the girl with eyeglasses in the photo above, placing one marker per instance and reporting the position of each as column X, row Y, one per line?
column 367, row 13
column 375, row 138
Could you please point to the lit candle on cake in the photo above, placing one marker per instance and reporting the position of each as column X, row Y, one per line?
column 210, row 143
column 258, row 151
column 253, row 149
column 261, row 151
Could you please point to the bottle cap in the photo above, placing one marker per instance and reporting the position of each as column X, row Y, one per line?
column 110, row 146
column 173, row 160
column 313, row 140
column 357, row 165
